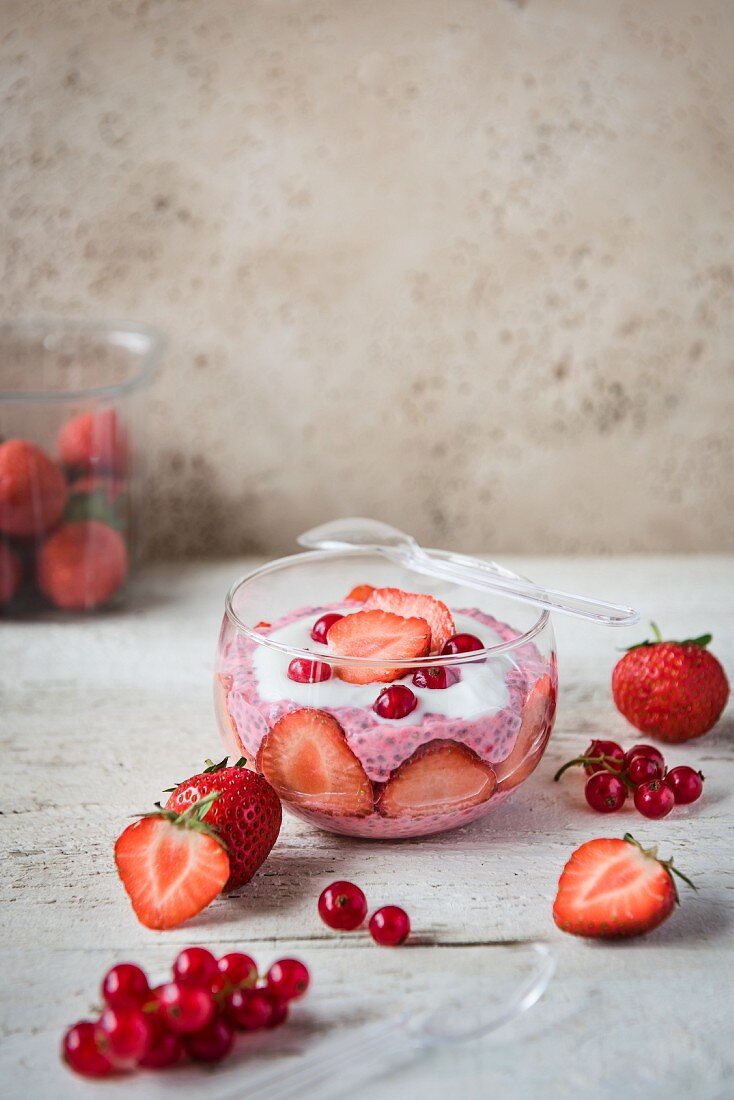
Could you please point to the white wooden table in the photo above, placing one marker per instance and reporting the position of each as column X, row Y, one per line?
column 98, row 716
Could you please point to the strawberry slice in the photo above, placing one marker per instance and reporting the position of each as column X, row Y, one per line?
column 381, row 635
column 532, row 737
column 612, row 888
column 415, row 604
column 306, row 758
column 172, row 865
column 440, row 776
column 361, row 592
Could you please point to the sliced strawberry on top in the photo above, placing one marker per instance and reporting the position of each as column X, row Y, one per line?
column 361, row 592
column 612, row 888
column 439, row 777
column 415, row 604
column 381, row 635
column 172, row 865
column 307, row 760
column 532, row 737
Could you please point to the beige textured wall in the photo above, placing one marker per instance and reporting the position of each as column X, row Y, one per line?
column 463, row 265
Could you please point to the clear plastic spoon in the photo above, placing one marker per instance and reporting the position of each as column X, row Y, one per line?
column 350, row 1060
column 369, row 534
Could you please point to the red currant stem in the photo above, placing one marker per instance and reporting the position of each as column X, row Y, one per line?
column 582, row 760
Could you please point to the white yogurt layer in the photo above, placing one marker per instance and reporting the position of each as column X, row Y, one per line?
column 481, row 689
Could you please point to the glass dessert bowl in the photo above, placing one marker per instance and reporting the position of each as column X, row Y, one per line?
column 380, row 703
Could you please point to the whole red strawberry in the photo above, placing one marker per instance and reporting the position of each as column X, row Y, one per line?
column 247, row 815
column 671, row 690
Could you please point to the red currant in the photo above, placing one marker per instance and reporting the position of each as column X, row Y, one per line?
column 250, row 1009
column 320, row 628
column 288, row 979
column 186, row 1008
column 647, row 751
column 641, row 769
column 279, row 1013
column 308, row 672
column 436, row 678
column 80, row 1049
column 685, row 783
column 605, row 792
column 342, row 905
column 613, row 753
column 125, row 986
column 389, row 926
column 654, row 799
column 396, row 701
column 237, row 969
column 463, row 643
column 212, row 1042
column 164, row 1050
column 126, row 1034
column 195, row 966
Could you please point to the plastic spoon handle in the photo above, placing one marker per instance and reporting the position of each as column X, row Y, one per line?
column 367, row 534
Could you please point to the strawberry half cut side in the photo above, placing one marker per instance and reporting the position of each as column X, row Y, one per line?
column 535, row 726
column 172, row 865
column 615, row 888
column 381, row 635
column 308, row 762
column 440, row 777
column 416, row 605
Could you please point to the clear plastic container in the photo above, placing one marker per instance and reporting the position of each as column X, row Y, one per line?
column 459, row 752
column 72, row 462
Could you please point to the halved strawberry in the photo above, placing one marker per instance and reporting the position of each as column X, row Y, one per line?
column 361, row 592
column 415, row 604
column 377, row 634
column 172, row 865
column 612, row 888
column 440, row 776
column 532, row 737
column 306, row 758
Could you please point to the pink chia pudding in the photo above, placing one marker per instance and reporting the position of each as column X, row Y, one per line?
column 431, row 769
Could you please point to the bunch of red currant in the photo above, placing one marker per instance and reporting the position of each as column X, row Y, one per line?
column 343, row 906
column 640, row 773
column 196, row 1014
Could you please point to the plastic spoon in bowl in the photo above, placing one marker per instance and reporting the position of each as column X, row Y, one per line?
column 348, row 1061
column 369, row 534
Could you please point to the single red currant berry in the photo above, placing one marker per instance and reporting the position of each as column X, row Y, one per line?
column 463, row 643
column 212, row 1042
column 654, row 799
column 288, row 979
column 80, row 1049
column 249, row 1009
column 279, row 1013
column 685, row 783
column 320, row 628
column 195, row 966
column 238, row 970
column 396, row 701
column 125, row 986
column 164, row 1050
column 389, row 926
column 610, row 750
column 126, row 1034
column 436, row 678
column 605, row 792
column 186, row 1008
column 308, row 672
column 641, row 769
column 343, row 906
column 649, row 752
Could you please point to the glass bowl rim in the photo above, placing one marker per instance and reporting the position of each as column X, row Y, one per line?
column 363, row 662
column 150, row 357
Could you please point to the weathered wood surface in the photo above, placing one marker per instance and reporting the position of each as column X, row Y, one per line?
column 96, row 717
